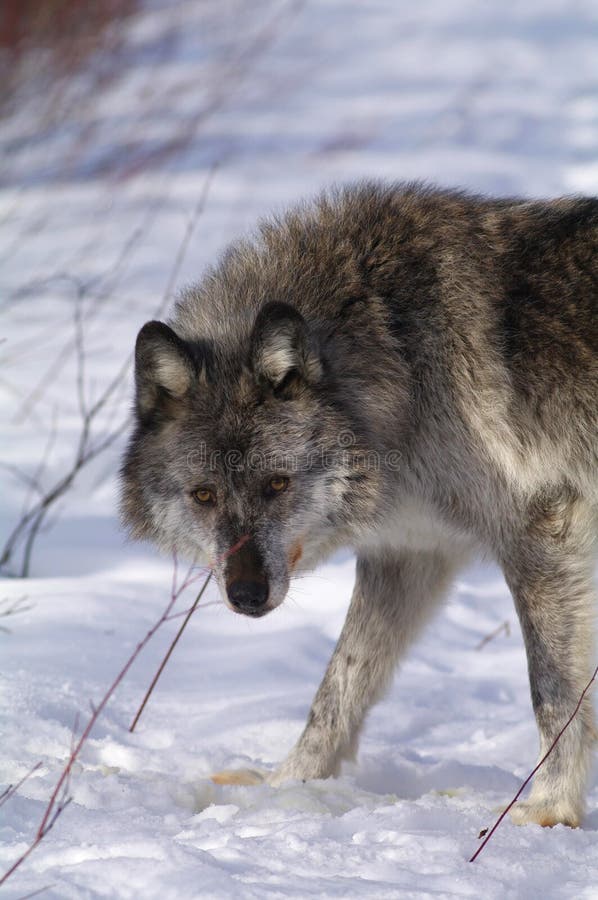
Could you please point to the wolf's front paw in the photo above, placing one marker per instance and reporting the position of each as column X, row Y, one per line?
column 275, row 779
column 239, row 776
column 302, row 768
column 284, row 774
column 545, row 814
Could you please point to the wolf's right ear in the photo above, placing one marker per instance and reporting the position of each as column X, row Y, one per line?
column 164, row 369
column 282, row 347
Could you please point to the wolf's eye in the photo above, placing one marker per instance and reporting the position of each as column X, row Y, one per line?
column 204, row 496
column 277, row 485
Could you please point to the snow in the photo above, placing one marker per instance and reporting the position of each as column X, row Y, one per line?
column 283, row 99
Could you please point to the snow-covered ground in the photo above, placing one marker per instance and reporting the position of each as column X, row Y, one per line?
column 275, row 100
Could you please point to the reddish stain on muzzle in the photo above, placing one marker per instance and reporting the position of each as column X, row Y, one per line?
column 295, row 554
column 245, row 565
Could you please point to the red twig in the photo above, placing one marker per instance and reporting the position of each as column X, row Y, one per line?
column 56, row 806
column 175, row 594
column 533, row 772
column 37, row 892
column 187, row 615
column 168, row 654
column 13, row 788
column 184, row 612
column 504, row 626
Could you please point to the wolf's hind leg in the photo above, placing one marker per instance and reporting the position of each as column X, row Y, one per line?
column 394, row 596
column 550, row 577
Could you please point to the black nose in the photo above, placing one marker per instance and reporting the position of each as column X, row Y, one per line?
column 248, row 597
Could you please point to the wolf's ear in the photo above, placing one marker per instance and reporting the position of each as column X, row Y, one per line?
column 282, row 349
column 164, row 369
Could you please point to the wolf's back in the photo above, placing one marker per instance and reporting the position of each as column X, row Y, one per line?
column 437, row 295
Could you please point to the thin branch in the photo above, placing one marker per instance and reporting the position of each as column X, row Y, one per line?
column 187, row 613
column 184, row 245
column 184, row 612
column 504, row 626
column 20, row 860
column 9, row 607
column 13, row 788
column 28, row 480
column 80, row 348
column 108, row 281
column 31, row 522
column 539, row 765
column 59, row 800
column 37, row 892
column 169, row 653
column 43, row 462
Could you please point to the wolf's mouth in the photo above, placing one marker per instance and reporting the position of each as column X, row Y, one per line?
column 252, row 613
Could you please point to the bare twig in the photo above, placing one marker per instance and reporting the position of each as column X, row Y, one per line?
column 80, row 348
column 28, row 480
column 168, row 654
column 9, row 607
column 504, row 626
column 34, row 481
column 103, row 285
column 34, row 517
column 29, row 525
column 184, row 612
column 538, row 766
column 13, row 788
column 228, row 81
column 188, row 613
column 184, row 245
column 59, row 798
column 37, row 892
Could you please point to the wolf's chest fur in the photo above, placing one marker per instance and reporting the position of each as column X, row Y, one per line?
column 415, row 526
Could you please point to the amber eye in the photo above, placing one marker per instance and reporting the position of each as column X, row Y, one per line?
column 277, row 485
column 204, row 496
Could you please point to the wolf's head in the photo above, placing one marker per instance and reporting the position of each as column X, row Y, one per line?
column 245, row 441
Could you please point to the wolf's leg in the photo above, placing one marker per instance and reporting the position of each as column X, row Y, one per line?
column 550, row 576
column 394, row 595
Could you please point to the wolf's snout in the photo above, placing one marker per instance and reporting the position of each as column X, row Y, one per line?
column 247, row 586
column 248, row 597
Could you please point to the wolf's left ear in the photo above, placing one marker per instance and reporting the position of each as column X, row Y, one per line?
column 282, row 348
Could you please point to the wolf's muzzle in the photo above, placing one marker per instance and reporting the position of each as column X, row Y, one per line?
column 248, row 597
column 246, row 582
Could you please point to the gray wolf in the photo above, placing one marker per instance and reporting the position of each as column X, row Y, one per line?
column 412, row 373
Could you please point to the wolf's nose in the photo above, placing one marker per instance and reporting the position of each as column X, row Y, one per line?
column 248, row 597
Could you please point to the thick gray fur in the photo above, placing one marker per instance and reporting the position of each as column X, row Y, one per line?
column 422, row 366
